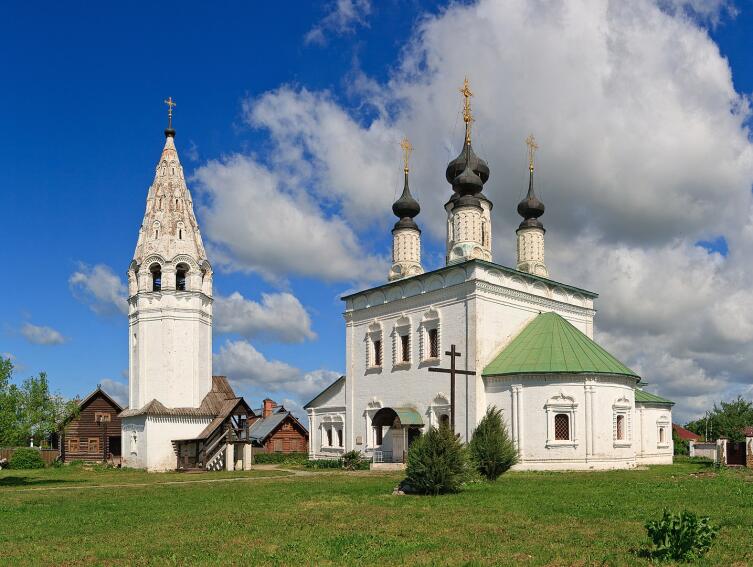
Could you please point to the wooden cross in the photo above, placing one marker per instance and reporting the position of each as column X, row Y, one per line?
column 532, row 147
column 407, row 149
column 170, row 104
column 452, row 371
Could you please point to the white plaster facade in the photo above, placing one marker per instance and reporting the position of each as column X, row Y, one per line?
column 169, row 318
column 406, row 253
column 480, row 307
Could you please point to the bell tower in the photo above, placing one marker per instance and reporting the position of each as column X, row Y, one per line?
column 169, row 294
column 531, row 231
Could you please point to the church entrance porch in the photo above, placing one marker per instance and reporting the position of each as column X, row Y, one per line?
column 395, row 429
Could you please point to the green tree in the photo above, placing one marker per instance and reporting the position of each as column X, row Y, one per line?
column 491, row 450
column 437, row 463
column 29, row 412
column 728, row 419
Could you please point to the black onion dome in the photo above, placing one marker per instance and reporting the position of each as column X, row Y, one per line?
column 531, row 207
column 467, row 155
column 406, row 207
column 467, row 184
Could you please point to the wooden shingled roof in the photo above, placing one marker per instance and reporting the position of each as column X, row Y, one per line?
column 211, row 406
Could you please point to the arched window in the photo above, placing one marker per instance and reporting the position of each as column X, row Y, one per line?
column 339, row 437
column 444, row 420
column 180, row 234
column 561, row 427
column 662, row 435
column 329, row 437
column 180, row 277
column 156, row 271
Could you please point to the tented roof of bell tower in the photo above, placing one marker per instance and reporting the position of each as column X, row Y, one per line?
column 169, row 228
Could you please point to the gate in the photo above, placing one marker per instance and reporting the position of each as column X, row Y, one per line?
column 736, row 453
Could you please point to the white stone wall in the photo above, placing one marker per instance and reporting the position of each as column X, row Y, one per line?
column 328, row 413
column 649, row 419
column 170, row 346
column 154, row 436
column 469, row 233
column 592, row 404
column 406, row 253
column 531, row 251
column 478, row 308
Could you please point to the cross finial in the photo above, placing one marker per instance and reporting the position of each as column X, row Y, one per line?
column 170, row 104
column 467, row 116
column 407, row 149
column 532, row 147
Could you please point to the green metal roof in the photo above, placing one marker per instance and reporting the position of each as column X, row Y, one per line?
column 550, row 344
column 648, row 397
column 409, row 416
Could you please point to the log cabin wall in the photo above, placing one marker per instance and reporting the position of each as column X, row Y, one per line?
column 287, row 438
column 86, row 440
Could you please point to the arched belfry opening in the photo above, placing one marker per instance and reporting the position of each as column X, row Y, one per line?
column 156, row 271
column 181, row 277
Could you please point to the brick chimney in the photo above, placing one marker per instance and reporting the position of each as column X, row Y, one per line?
column 268, row 408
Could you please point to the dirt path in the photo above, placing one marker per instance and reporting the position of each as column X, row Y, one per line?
column 291, row 473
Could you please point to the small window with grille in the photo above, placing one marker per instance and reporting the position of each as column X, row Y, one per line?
column 620, row 427
column 561, row 427
column 404, row 348
column 433, row 343
column 377, row 352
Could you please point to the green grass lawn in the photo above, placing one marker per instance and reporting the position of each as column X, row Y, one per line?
column 351, row 518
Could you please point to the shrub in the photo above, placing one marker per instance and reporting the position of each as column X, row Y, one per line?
column 682, row 447
column 353, row 461
column 437, row 463
column 491, row 450
column 681, row 537
column 26, row 458
column 280, row 458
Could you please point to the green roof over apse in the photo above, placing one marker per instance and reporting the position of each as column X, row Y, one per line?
column 551, row 344
column 642, row 396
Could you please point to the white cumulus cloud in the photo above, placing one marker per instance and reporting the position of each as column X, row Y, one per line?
column 100, row 288
column 343, row 17
column 42, row 335
column 116, row 390
column 279, row 316
column 247, row 368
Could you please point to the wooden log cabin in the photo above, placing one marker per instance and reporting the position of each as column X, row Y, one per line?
column 93, row 433
column 278, row 431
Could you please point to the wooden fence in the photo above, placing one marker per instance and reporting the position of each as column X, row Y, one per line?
column 48, row 455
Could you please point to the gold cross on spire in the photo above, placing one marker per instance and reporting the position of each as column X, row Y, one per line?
column 467, row 116
column 407, row 149
column 170, row 103
column 532, row 147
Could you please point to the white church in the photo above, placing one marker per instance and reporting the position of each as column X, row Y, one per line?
column 525, row 342
column 525, row 345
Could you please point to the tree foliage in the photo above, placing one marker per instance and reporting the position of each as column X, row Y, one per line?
column 29, row 411
column 728, row 419
column 682, row 447
column 437, row 463
column 491, row 450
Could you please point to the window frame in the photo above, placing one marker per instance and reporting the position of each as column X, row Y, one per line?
column 622, row 408
column 95, row 442
column 102, row 417
column 560, row 417
column 69, row 442
column 401, row 335
column 561, row 404
column 430, row 322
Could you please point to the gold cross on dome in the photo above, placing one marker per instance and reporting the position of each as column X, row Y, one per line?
column 532, row 147
column 407, row 149
column 170, row 104
column 467, row 116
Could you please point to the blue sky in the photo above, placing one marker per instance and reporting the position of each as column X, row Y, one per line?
column 82, row 118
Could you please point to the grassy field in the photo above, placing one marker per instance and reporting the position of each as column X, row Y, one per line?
column 53, row 517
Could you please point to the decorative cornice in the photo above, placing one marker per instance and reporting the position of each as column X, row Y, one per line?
column 534, row 299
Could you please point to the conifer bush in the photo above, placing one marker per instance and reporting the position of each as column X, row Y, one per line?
column 437, row 463
column 491, row 450
column 26, row 458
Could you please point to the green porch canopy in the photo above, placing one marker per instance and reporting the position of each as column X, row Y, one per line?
column 551, row 344
column 648, row 398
